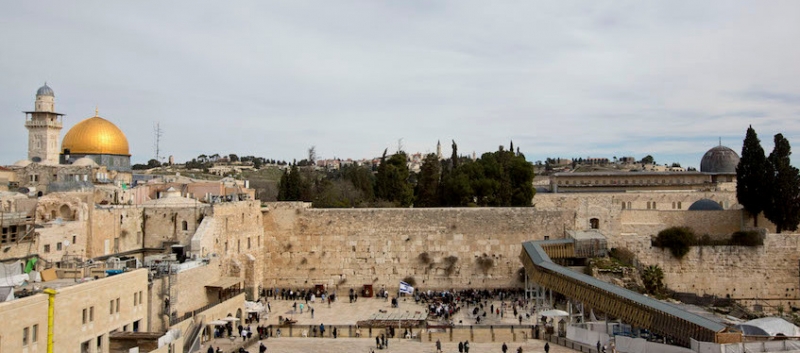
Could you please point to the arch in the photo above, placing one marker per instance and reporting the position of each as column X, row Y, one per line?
column 53, row 215
column 594, row 223
column 39, row 194
column 184, row 225
column 66, row 212
column 239, row 314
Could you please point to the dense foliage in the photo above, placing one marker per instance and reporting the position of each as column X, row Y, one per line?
column 677, row 240
column 782, row 207
column 751, row 175
column 502, row 178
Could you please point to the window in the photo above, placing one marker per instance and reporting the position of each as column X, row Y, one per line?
column 595, row 223
column 135, row 299
column 85, row 317
column 140, row 298
column 185, row 225
column 238, row 245
column 248, row 243
column 35, row 333
column 679, row 205
column 629, row 205
column 74, row 239
column 117, row 306
column 91, row 314
column 136, row 326
column 111, row 307
column 46, row 247
column 25, row 336
column 58, row 246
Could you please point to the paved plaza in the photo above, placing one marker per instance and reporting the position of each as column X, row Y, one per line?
column 345, row 313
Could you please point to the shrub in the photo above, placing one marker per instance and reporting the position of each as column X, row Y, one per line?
column 748, row 238
column 485, row 263
column 425, row 258
column 677, row 240
column 623, row 255
column 653, row 278
column 450, row 264
column 410, row 280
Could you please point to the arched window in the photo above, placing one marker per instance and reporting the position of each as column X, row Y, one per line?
column 66, row 213
column 595, row 223
column 185, row 225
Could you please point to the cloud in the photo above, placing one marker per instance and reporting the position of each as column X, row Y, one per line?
column 562, row 79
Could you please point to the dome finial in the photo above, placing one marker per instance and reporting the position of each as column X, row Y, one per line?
column 96, row 111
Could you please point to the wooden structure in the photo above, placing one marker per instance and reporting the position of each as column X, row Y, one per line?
column 633, row 308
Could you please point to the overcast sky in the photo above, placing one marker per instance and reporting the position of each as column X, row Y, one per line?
column 560, row 79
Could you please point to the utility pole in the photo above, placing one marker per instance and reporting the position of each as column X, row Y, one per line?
column 157, row 135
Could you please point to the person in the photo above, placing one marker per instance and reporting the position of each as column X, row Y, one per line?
column 438, row 346
column 312, row 312
column 598, row 346
column 219, row 350
column 460, row 347
column 321, row 330
column 378, row 342
column 546, row 347
column 385, row 341
column 604, row 349
column 466, row 346
column 519, row 349
column 262, row 348
column 210, row 349
column 334, row 332
column 504, row 348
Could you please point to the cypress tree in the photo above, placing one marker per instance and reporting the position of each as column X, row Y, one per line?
column 751, row 177
column 783, row 207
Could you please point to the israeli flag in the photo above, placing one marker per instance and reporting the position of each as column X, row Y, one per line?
column 406, row 288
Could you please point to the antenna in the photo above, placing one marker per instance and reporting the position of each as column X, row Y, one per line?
column 157, row 134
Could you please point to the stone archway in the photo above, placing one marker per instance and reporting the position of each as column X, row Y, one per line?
column 65, row 212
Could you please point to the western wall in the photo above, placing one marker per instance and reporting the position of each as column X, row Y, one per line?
column 344, row 248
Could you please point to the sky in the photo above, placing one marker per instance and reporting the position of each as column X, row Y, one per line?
column 352, row 78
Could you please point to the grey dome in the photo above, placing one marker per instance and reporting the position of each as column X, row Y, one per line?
column 705, row 205
column 45, row 91
column 719, row 160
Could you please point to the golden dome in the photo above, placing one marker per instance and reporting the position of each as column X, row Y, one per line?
column 95, row 135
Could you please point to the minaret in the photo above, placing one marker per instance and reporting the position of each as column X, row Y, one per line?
column 44, row 128
column 439, row 150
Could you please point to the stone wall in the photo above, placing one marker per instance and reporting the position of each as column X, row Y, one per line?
column 763, row 274
column 714, row 223
column 352, row 247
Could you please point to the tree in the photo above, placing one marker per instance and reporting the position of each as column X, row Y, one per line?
column 290, row 188
column 233, row 158
column 312, row 155
column 392, row 180
column 751, row 176
column 782, row 208
column 648, row 159
column 427, row 190
column 153, row 163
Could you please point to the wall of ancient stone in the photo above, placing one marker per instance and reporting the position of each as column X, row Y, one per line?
column 768, row 273
column 352, row 247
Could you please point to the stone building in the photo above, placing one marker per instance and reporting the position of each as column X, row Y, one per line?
column 86, row 314
column 44, row 128
column 717, row 172
column 94, row 151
